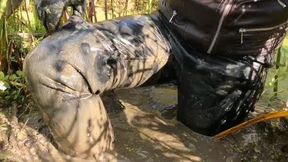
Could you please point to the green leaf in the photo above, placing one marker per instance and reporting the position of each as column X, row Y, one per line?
column 2, row 76
column 3, row 7
column 20, row 73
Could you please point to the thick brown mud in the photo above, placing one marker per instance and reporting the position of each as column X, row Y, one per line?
column 146, row 131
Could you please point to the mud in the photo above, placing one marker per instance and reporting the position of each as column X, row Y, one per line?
column 146, row 131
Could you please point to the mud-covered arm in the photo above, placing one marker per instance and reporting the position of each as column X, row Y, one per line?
column 51, row 11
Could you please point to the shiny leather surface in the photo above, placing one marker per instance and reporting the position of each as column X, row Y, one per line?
column 214, row 92
column 197, row 22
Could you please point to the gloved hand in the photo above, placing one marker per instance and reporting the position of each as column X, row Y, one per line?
column 51, row 11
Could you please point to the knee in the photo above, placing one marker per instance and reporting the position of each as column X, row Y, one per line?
column 76, row 117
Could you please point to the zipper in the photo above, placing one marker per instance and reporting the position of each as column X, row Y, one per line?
column 226, row 11
column 173, row 15
column 246, row 30
column 282, row 3
column 246, row 1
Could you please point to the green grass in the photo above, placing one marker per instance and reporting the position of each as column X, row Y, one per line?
column 277, row 99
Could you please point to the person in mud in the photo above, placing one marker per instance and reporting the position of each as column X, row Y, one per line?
column 217, row 51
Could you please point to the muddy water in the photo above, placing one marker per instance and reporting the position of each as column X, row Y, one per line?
column 146, row 130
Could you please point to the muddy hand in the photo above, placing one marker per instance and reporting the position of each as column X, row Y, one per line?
column 51, row 11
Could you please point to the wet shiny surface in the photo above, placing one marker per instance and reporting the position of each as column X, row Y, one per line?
column 149, row 127
column 146, row 131
column 153, row 135
column 69, row 70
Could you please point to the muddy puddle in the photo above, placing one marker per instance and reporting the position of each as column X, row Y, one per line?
column 153, row 134
column 146, row 131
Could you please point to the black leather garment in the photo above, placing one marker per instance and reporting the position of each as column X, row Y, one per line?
column 230, row 27
column 214, row 92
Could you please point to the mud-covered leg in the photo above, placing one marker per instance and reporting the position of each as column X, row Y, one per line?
column 70, row 69
column 76, row 117
column 83, row 129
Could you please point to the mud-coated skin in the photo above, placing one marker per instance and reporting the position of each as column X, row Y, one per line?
column 70, row 69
